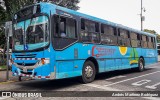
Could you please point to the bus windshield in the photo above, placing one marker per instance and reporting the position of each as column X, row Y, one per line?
column 31, row 34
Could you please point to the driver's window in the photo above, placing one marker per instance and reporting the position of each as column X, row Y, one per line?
column 64, row 27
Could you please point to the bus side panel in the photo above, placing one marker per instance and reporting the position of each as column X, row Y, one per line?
column 78, row 66
column 150, row 56
column 137, row 53
column 103, row 54
column 102, row 64
column 69, row 62
column 122, row 57
column 110, row 65
column 68, row 69
column 65, row 69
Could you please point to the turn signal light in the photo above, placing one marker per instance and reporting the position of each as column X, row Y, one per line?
column 43, row 61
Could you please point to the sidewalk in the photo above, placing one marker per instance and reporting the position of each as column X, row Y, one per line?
column 3, row 76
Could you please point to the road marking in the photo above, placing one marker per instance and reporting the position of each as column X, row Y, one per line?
column 5, row 98
column 101, row 87
column 139, row 83
column 112, row 89
column 153, row 86
column 116, row 77
column 132, row 78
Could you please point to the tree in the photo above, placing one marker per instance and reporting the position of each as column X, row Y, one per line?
column 158, row 38
column 71, row 4
column 150, row 31
column 153, row 32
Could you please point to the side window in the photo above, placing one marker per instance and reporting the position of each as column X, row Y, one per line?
column 144, row 41
column 135, row 39
column 65, row 27
column 123, row 37
column 64, row 32
column 89, row 31
column 108, row 35
column 150, row 45
column 71, row 28
column 153, row 42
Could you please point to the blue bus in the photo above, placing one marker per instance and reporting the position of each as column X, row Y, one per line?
column 53, row 42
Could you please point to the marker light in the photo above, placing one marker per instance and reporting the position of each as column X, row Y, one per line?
column 43, row 61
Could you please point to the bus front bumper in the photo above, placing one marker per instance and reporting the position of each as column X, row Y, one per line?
column 35, row 72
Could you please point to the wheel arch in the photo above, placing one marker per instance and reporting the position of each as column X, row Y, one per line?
column 95, row 62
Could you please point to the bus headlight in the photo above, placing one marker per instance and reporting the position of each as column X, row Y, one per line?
column 43, row 61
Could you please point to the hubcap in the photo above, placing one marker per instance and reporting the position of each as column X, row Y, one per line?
column 141, row 65
column 88, row 71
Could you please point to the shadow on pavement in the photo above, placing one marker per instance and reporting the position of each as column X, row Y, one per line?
column 71, row 82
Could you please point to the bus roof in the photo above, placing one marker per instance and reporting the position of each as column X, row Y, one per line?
column 97, row 19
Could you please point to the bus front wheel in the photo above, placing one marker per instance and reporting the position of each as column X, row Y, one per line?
column 141, row 65
column 88, row 72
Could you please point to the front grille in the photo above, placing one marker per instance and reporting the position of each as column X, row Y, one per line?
column 28, row 73
column 25, row 55
column 26, row 64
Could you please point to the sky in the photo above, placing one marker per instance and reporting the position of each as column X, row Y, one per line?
column 125, row 12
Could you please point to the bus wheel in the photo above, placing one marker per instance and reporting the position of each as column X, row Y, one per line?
column 140, row 65
column 20, row 78
column 88, row 72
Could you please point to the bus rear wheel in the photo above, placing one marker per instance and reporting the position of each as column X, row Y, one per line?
column 140, row 65
column 88, row 72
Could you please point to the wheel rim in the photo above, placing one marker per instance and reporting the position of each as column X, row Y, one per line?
column 88, row 71
column 141, row 65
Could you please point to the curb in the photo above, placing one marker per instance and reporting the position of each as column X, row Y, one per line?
column 3, row 69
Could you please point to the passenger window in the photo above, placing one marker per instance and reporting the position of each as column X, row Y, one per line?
column 135, row 39
column 108, row 35
column 64, row 32
column 89, row 31
column 124, row 38
column 144, row 41
column 151, row 43
column 65, row 27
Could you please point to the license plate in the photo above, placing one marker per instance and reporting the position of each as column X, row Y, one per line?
column 25, row 69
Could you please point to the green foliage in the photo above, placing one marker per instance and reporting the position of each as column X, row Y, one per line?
column 158, row 38
column 150, row 31
column 153, row 32
column 71, row 4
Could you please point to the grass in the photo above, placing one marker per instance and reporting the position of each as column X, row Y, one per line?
column 3, row 67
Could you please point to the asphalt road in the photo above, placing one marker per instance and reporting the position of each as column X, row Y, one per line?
column 125, row 80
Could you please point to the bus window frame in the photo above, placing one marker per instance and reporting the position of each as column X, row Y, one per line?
column 138, row 39
column 53, row 38
column 115, row 34
column 76, row 26
column 119, row 36
column 144, row 41
column 83, row 30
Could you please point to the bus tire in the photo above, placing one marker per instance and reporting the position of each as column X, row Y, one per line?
column 140, row 65
column 88, row 72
